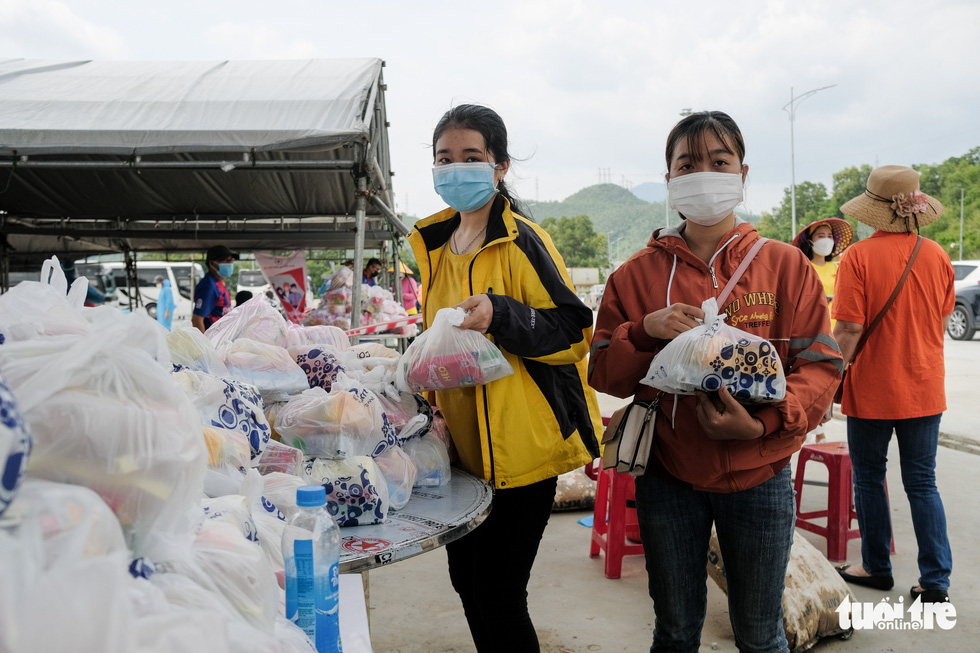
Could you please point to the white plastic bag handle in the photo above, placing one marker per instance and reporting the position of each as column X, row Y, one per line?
column 53, row 275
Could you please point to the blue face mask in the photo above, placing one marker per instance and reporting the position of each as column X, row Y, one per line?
column 226, row 269
column 464, row 186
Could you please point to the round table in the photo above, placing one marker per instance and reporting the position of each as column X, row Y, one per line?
column 432, row 518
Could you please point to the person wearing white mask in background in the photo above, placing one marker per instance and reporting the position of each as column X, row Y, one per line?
column 728, row 466
column 821, row 242
column 520, row 432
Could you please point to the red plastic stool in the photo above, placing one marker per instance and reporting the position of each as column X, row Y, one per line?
column 840, row 500
column 614, row 519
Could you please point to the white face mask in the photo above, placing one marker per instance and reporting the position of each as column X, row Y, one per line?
column 705, row 198
column 823, row 246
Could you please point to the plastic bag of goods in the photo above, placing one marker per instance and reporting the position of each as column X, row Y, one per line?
column 348, row 421
column 269, row 368
column 715, row 354
column 105, row 414
column 400, row 472
column 342, row 278
column 320, row 363
column 15, row 446
column 357, row 493
column 219, row 558
column 410, row 414
column 227, row 404
column 269, row 522
column 446, row 357
column 280, row 489
column 256, row 320
column 43, row 308
column 279, row 457
column 77, row 603
column 229, row 458
column 71, row 522
column 192, row 350
column 322, row 334
column 432, row 459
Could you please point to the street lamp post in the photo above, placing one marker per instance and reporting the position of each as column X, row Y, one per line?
column 790, row 108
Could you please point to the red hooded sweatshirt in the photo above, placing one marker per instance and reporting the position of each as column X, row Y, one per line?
column 779, row 297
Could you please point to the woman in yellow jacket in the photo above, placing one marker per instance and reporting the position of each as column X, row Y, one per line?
column 519, row 432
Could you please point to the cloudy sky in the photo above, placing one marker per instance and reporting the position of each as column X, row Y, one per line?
column 589, row 85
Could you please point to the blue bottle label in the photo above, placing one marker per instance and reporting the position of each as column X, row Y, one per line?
column 328, row 613
column 304, row 614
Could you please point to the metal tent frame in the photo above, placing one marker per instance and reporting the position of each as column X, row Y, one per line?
column 100, row 157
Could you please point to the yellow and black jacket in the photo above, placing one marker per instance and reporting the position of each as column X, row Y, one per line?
column 542, row 420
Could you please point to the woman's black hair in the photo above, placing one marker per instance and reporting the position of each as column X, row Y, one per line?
column 692, row 129
column 491, row 126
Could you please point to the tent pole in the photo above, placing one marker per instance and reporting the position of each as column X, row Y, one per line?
column 359, row 216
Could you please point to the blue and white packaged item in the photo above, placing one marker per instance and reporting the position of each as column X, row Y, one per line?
column 311, row 551
column 15, row 446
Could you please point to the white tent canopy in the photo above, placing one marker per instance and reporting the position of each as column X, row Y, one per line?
column 175, row 156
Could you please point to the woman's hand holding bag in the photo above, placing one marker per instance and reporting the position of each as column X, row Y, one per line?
column 446, row 356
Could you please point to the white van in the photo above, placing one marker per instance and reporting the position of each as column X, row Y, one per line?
column 183, row 277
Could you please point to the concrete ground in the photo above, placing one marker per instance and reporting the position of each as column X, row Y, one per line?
column 413, row 608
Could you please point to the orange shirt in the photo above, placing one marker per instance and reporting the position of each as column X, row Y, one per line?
column 900, row 373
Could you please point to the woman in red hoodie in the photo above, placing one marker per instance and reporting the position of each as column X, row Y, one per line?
column 728, row 468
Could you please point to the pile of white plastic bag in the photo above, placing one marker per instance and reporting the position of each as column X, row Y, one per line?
column 143, row 491
column 377, row 305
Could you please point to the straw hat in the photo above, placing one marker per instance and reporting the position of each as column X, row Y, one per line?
column 892, row 201
column 405, row 268
column 842, row 230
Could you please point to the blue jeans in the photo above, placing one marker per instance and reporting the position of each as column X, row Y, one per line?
column 755, row 533
column 918, row 438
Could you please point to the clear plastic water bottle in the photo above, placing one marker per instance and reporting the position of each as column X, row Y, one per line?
column 311, row 551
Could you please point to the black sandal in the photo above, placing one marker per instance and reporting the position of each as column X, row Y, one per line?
column 929, row 596
column 876, row 582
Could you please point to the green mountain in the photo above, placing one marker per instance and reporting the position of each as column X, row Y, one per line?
column 625, row 218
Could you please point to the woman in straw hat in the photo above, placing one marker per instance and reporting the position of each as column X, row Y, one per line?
column 822, row 241
column 896, row 382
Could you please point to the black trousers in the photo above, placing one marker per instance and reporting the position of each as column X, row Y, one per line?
column 490, row 568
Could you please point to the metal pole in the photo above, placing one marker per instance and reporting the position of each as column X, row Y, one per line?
column 961, row 223
column 793, row 101
column 359, row 216
column 792, row 162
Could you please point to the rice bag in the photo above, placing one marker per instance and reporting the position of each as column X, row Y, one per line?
column 715, row 354
column 357, row 493
column 446, row 357
column 269, row 368
column 227, row 404
column 15, row 446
